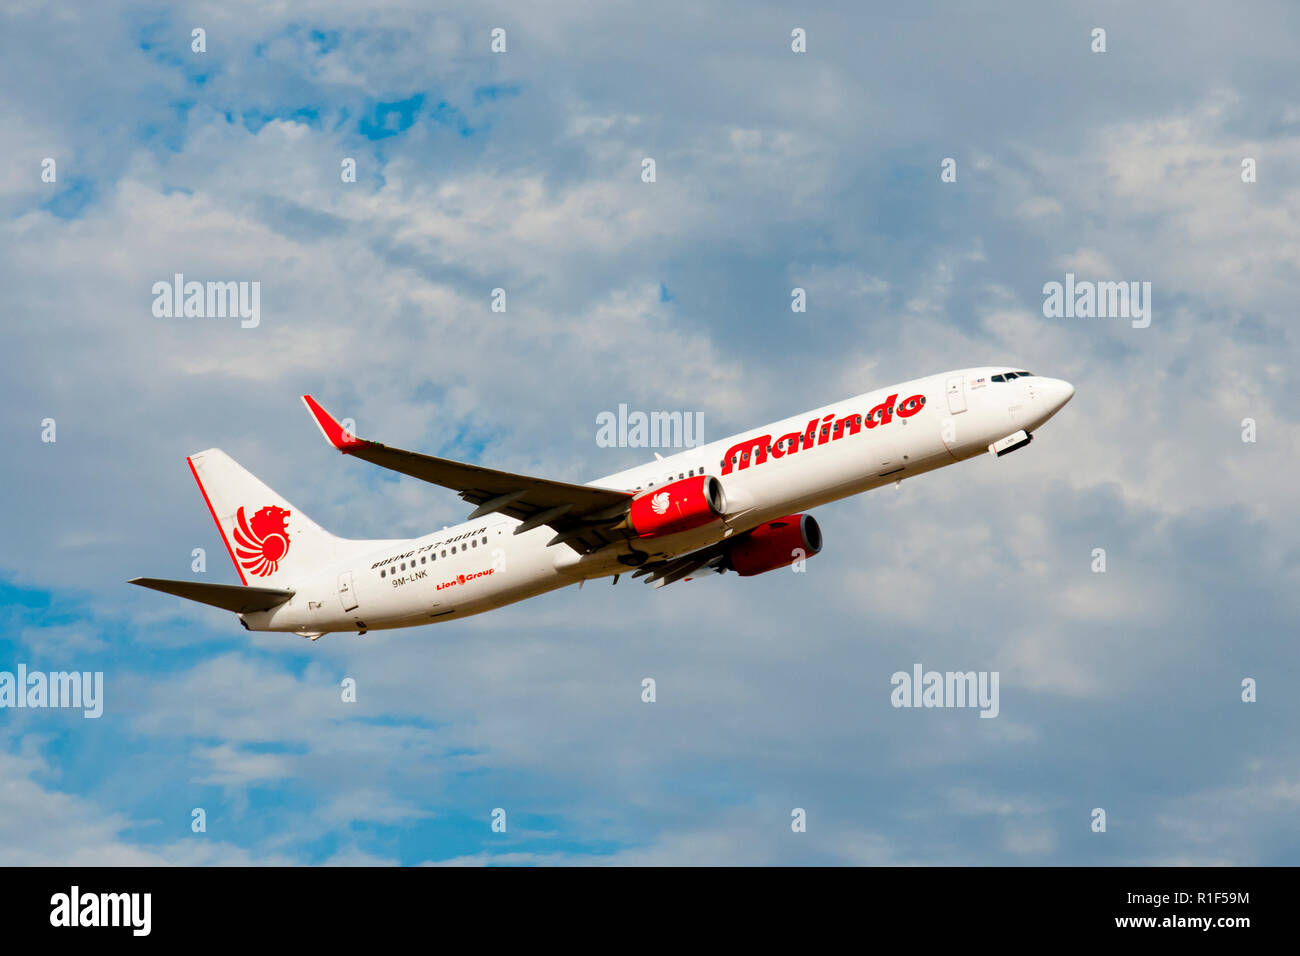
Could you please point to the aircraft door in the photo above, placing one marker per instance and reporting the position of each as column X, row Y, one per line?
column 346, row 593
column 956, row 394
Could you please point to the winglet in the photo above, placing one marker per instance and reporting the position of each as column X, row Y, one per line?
column 334, row 433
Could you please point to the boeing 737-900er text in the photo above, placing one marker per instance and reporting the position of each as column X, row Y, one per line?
column 737, row 504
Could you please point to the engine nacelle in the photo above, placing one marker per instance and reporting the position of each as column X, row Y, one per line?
column 680, row 506
column 775, row 544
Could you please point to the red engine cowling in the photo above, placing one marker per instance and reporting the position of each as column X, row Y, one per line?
column 774, row 544
column 679, row 506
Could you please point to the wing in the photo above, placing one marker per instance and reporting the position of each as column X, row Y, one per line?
column 228, row 597
column 583, row 517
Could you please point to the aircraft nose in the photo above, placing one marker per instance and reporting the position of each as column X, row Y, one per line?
column 1057, row 392
column 1065, row 391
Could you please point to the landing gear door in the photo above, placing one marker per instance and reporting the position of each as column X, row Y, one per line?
column 956, row 394
column 346, row 593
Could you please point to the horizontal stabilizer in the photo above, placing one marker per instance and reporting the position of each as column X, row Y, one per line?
column 228, row 597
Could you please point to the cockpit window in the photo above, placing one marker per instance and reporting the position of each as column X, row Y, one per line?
column 999, row 378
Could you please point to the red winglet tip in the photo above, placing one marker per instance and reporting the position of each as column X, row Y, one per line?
column 332, row 430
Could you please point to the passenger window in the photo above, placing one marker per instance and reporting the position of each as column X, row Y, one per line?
column 474, row 543
column 423, row 559
column 381, row 574
column 444, row 552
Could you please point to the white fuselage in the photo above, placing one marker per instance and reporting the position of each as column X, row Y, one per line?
column 481, row 565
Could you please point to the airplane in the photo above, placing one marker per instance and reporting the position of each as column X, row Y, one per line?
column 738, row 504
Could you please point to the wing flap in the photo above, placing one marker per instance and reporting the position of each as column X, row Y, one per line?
column 670, row 570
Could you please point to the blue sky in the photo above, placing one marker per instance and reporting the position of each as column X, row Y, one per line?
column 774, row 170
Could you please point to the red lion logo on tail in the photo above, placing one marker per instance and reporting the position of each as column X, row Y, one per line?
column 263, row 542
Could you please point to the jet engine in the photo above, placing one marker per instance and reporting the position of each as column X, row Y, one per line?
column 775, row 544
column 680, row 506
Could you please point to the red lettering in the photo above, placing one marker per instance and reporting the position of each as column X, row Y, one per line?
column 910, row 406
column 786, row 445
column 826, row 432
column 849, row 424
column 739, row 455
column 882, row 414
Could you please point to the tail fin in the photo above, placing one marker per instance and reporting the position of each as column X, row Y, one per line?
column 271, row 542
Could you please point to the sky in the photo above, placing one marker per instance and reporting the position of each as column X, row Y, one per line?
column 774, row 170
